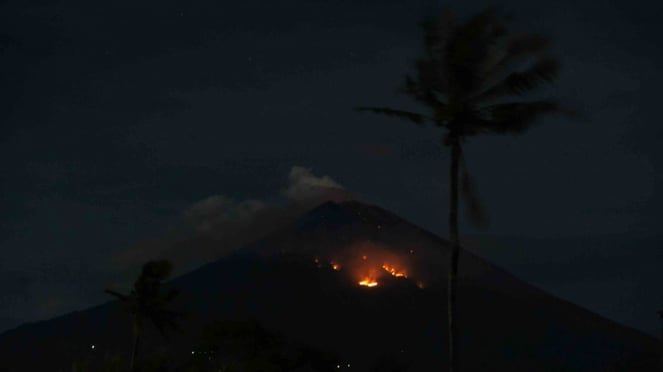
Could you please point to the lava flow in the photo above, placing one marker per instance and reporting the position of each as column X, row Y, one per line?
column 369, row 263
column 393, row 271
column 368, row 283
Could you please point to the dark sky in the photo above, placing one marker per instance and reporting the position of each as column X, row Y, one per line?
column 130, row 126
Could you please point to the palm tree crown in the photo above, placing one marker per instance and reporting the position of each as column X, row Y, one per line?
column 468, row 68
column 146, row 300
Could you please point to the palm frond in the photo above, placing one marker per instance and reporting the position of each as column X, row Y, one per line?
column 433, row 70
column 423, row 91
column 516, row 117
column 437, row 32
column 485, row 29
column 411, row 116
column 469, row 48
column 519, row 82
column 157, row 270
column 517, row 47
column 432, row 75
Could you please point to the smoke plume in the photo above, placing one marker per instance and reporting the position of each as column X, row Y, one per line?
column 219, row 224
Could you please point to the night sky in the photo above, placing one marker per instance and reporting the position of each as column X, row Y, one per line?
column 134, row 128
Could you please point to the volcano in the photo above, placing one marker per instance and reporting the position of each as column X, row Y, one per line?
column 363, row 283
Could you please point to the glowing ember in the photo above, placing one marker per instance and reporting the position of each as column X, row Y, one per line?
column 393, row 271
column 364, row 258
column 336, row 266
column 368, row 283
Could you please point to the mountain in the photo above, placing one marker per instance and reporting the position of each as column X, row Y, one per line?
column 617, row 275
column 358, row 281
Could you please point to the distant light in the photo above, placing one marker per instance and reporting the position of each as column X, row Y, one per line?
column 193, row 352
column 338, row 366
column 92, row 346
column 348, row 365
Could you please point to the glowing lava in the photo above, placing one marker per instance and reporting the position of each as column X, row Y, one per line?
column 368, row 283
column 393, row 271
column 366, row 264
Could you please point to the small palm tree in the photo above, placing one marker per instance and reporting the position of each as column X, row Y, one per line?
column 468, row 78
column 146, row 302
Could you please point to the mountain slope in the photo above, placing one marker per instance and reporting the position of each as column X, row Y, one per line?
column 304, row 282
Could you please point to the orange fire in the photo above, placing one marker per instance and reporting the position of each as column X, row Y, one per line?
column 368, row 283
column 368, row 263
column 393, row 271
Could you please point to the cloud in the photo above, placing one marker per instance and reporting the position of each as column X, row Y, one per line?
column 219, row 225
column 305, row 187
column 208, row 214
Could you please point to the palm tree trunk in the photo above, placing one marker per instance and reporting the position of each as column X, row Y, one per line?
column 134, row 351
column 660, row 314
column 453, row 263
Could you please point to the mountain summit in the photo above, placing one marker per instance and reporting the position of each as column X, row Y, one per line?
column 359, row 281
column 331, row 215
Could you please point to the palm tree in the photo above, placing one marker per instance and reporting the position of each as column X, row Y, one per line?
column 468, row 78
column 147, row 302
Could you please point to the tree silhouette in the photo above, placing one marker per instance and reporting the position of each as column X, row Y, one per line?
column 468, row 78
column 147, row 302
column 245, row 345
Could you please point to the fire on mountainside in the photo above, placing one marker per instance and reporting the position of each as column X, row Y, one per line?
column 367, row 262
